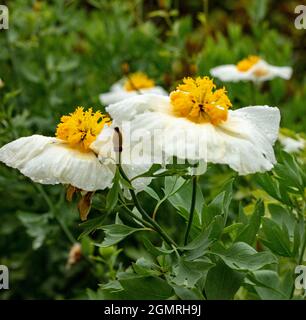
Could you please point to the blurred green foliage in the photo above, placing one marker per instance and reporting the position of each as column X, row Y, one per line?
column 60, row 54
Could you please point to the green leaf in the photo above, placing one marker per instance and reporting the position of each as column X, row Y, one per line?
column 249, row 232
column 114, row 233
column 143, row 267
column 196, row 225
column 110, row 291
column 152, row 193
column 91, row 225
column 172, row 185
column 112, row 196
column 257, row 10
column 200, row 245
column 182, row 199
column 219, row 205
column 276, row 238
column 189, row 272
column 233, row 228
column 297, row 238
column 213, row 209
column 242, row 216
column 243, row 257
column 266, row 182
column 203, row 239
column 67, row 65
column 267, row 284
column 137, row 287
column 290, row 173
column 37, row 226
column 222, row 282
column 126, row 184
column 187, row 293
column 282, row 216
column 155, row 251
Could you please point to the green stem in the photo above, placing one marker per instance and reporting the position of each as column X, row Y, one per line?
column 254, row 93
column 60, row 222
column 15, row 66
column 133, row 215
column 152, row 222
column 144, row 214
column 300, row 260
column 303, row 250
column 52, row 208
column 192, row 208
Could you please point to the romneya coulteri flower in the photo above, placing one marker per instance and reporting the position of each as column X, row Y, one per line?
column 68, row 158
column 195, row 123
column 291, row 145
column 133, row 84
column 253, row 68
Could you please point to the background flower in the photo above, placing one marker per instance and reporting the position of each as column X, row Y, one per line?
column 134, row 84
column 252, row 68
column 291, row 145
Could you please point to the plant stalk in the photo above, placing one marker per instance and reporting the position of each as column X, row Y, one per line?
column 52, row 208
column 192, row 208
column 144, row 214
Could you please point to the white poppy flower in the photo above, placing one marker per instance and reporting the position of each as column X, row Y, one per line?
column 252, row 68
column 291, row 145
column 194, row 123
column 68, row 158
column 135, row 84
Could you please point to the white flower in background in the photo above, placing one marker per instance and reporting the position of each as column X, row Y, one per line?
column 134, row 84
column 291, row 145
column 67, row 158
column 194, row 123
column 252, row 68
column 1, row 83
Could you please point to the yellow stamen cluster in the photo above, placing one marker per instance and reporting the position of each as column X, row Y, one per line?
column 199, row 101
column 80, row 128
column 138, row 80
column 247, row 63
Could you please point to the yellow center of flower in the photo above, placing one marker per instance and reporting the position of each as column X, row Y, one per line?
column 199, row 101
column 80, row 128
column 247, row 63
column 138, row 80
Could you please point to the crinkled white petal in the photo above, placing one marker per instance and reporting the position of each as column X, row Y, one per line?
column 244, row 142
column 230, row 73
column 48, row 160
column 107, row 146
column 127, row 110
column 118, row 93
